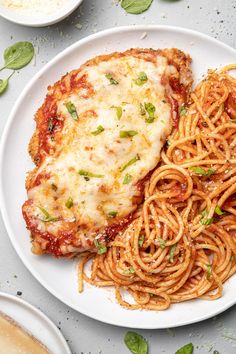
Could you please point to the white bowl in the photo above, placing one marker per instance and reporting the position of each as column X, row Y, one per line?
column 39, row 20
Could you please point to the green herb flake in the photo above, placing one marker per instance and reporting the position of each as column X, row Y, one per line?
column 129, row 271
column 112, row 214
column 218, row 210
column 136, row 343
column 127, row 179
column 209, row 271
column 89, row 174
column 142, row 79
column 142, row 110
column 182, row 111
column 141, row 240
column 101, row 248
column 47, row 216
column 72, row 110
column 69, row 203
column 172, row 253
column 99, row 130
column 128, row 133
column 162, row 243
column 111, row 79
column 150, row 108
column 136, row 7
column 18, row 55
column 200, row 171
column 131, row 162
column 216, row 352
column 205, row 220
column 186, row 349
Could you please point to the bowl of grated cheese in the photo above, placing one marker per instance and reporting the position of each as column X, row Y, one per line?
column 37, row 13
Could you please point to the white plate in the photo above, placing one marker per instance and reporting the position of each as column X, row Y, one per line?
column 39, row 20
column 59, row 276
column 35, row 322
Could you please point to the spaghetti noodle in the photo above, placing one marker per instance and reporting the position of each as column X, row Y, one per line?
column 181, row 243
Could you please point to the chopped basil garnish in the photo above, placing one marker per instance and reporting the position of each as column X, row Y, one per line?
column 200, row 171
column 131, row 162
column 162, row 243
column 89, row 174
column 54, row 187
column 128, row 133
column 141, row 240
column 218, row 211
column 69, row 203
column 100, row 247
column 47, row 216
column 127, row 179
column 72, row 110
column 112, row 214
column 182, row 111
column 205, row 220
column 99, row 130
column 142, row 79
column 129, row 271
column 209, row 271
column 111, row 79
column 142, row 110
column 119, row 111
column 51, row 126
column 186, row 349
column 172, row 252
column 150, row 108
column 136, row 343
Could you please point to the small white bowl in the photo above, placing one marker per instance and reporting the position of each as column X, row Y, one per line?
column 39, row 20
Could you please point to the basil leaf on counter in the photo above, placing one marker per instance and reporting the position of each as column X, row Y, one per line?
column 18, row 55
column 136, row 343
column 186, row 349
column 135, row 6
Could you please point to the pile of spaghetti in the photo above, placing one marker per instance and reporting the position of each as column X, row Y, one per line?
column 181, row 244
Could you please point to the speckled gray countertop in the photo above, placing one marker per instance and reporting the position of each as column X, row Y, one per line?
column 216, row 18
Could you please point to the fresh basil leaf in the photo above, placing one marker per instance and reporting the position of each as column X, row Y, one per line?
column 131, row 162
column 150, row 108
column 99, row 130
column 89, row 174
column 127, row 179
column 112, row 214
column 218, row 211
column 141, row 240
column 182, row 111
column 172, row 252
column 136, row 343
column 128, row 133
column 72, row 110
column 3, row 86
column 135, row 6
column 142, row 79
column 69, row 203
column 111, row 79
column 205, row 220
column 18, row 55
column 200, row 171
column 209, row 271
column 162, row 243
column 100, row 247
column 186, row 349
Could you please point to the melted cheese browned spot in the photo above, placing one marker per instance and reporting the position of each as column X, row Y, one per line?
column 99, row 133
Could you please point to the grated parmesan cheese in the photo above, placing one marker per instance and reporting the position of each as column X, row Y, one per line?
column 32, row 7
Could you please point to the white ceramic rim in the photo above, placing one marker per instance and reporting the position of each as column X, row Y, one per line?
column 25, row 20
column 40, row 314
column 110, row 31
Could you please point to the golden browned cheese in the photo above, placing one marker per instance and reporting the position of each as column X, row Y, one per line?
column 16, row 340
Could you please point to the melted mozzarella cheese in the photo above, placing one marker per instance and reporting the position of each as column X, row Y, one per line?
column 105, row 154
